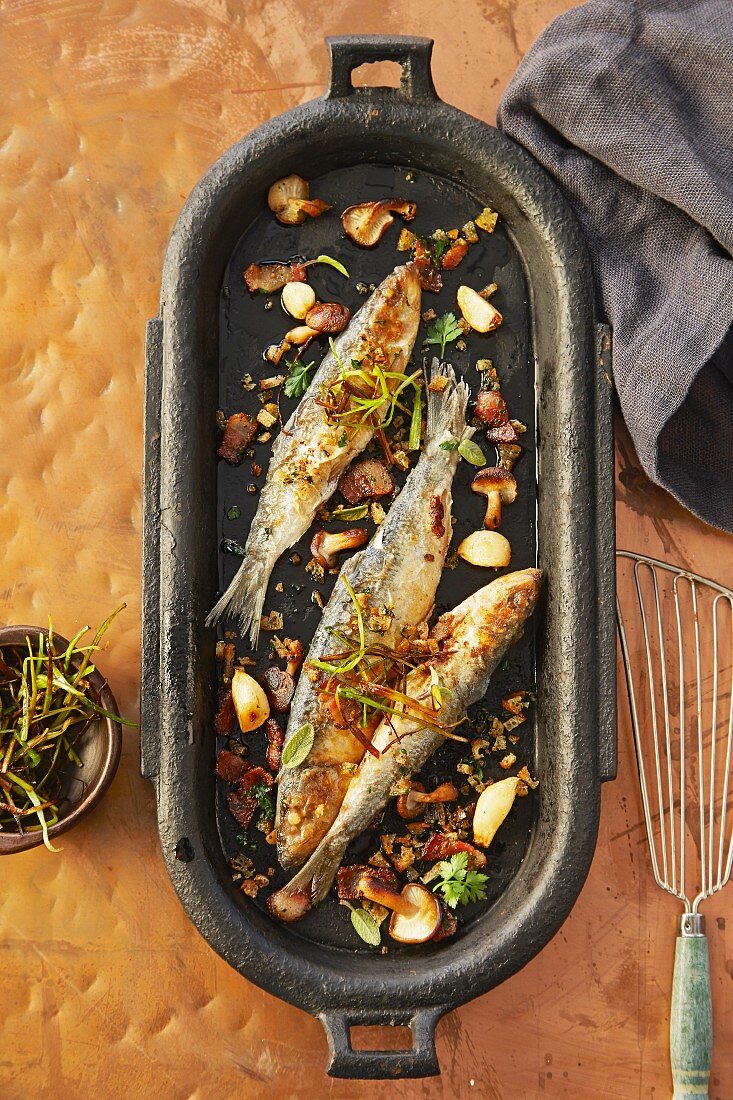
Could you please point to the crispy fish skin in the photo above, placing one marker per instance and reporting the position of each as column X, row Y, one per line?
column 397, row 574
column 307, row 457
column 473, row 637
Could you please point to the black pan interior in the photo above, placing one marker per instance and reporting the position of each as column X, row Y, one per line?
column 246, row 328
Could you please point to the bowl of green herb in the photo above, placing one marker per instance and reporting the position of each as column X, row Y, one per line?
column 60, row 734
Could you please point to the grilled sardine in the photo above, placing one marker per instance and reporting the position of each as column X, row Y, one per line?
column 396, row 577
column 310, row 454
column 473, row 639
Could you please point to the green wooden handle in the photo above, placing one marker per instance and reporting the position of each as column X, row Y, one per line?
column 691, row 1022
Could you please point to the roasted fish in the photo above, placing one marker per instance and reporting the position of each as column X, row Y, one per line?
column 311, row 453
column 473, row 639
column 395, row 579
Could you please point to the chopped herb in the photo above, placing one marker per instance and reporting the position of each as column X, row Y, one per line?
column 265, row 800
column 231, row 546
column 298, row 379
column 343, row 438
column 449, row 445
column 234, row 512
column 459, row 885
column 444, row 330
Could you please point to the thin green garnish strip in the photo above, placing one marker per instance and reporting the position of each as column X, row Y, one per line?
column 366, row 407
column 45, row 707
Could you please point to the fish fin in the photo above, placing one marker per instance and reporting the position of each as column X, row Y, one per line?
column 317, row 874
column 245, row 596
column 446, row 411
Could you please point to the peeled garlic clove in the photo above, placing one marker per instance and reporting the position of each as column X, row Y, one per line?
column 300, row 335
column 488, row 549
column 476, row 311
column 297, row 299
column 492, row 807
column 250, row 701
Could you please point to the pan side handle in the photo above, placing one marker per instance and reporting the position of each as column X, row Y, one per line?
column 150, row 675
column 413, row 54
column 605, row 557
column 420, row 1061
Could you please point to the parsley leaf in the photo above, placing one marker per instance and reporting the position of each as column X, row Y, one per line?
column 444, row 330
column 459, row 885
column 449, row 445
column 298, row 379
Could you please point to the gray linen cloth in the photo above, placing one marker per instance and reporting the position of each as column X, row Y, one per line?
column 629, row 106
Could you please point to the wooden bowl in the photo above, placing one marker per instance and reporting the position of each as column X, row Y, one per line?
column 99, row 750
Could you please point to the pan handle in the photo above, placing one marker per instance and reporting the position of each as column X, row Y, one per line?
column 605, row 557
column 150, row 675
column 420, row 1061
column 413, row 54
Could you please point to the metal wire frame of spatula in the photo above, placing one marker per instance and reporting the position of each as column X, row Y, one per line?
column 676, row 634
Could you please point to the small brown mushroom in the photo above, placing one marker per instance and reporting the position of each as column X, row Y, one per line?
column 289, row 201
column 328, row 317
column 499, row 486
column 416, row 915
column 491, row 409
column 367, row 222
column 327, row 544
column 279, row 688
column 412, row 804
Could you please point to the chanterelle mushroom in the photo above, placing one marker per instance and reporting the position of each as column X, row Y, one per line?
column 327, row 544
column 499, row 486
column 416, row 915
column 412, row 804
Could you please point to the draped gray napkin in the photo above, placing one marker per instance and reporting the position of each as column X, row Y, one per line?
column 629, row 106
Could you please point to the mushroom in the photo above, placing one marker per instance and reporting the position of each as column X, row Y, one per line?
column 491, row 407
column 488, row 549
column 493, row 805
column 328, row 317
column 279, row 688
column 416, row 915
column 327, row 544
column 250, row 702
column 289, row 201
column 499, row 486
column 476, row 311
column 297, row 299
column 367, row 222
column 293, row 655
column 411, row 805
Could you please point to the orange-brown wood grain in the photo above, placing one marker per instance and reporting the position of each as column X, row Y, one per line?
column 111, row 111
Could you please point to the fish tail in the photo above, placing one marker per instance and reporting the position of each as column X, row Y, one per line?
column 318, row 873
column 245, row 596
column 446, row 411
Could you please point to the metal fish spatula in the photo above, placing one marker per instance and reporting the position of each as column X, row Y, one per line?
column 676, row 633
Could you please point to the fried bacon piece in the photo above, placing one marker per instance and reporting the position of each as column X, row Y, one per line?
column 275, row 739
column 230, row 767
column 367, row 480
column 239, row 431
column 442, row 847
column 454, row 255
column 428, row 271
column 242, row 808
column 253, row 778
column 267, row 278
column 502, row 433
column 225, row 721
column 347, row 879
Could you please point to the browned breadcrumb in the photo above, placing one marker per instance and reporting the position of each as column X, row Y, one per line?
column 272, row 621
column 507, row 761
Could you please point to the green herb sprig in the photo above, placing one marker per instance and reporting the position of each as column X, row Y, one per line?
column 298, row 379
column 457, row 884
column 444, row 330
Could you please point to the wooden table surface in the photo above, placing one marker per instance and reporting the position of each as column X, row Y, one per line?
column 111, row 111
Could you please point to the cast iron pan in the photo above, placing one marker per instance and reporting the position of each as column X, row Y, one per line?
column 356, row 145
